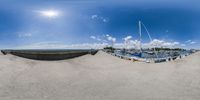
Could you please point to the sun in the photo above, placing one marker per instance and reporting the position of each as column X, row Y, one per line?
column 49, row 13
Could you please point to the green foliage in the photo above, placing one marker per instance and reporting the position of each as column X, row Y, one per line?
column 109, row 49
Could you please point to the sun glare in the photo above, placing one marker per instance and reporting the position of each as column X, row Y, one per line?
column 50, row 13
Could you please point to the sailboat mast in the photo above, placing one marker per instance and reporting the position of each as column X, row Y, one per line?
column 140, row 33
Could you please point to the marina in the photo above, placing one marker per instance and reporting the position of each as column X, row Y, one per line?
column 162, row 56
column 149, row 55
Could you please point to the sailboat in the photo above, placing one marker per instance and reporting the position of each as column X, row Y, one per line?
column 138, row 56
column 149, row 56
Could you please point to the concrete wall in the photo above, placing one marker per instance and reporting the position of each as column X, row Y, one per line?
column 37, row 55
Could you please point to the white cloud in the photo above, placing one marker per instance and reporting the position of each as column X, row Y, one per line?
column 87, row 46
column 23, row 35
column 110, row 38
column 104, row 20
column 190, row 42
column 97, row 17
column 183, row 45
column 162, row 43
column 131, row 44
column 94, row 16
column 59, row 45
column 114, row 39
column 135, row 44
column 93, row 37
column 97, row 38
column 127, row 38
column 105, row 39
column 128, row 42
column 175, row 43
column 119, row 45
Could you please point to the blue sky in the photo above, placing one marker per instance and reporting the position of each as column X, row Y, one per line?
column 94, row 22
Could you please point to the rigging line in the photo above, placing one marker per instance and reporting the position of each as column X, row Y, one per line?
column 147, row 31
column 149, row 38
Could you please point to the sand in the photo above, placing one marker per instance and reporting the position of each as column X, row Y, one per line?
column 99, row 77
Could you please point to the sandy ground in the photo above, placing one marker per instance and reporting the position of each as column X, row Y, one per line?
column 99, row 77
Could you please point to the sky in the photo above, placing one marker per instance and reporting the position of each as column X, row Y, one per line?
column 97, row 23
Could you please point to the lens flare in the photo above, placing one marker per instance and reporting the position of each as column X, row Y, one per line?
column 49, row 13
